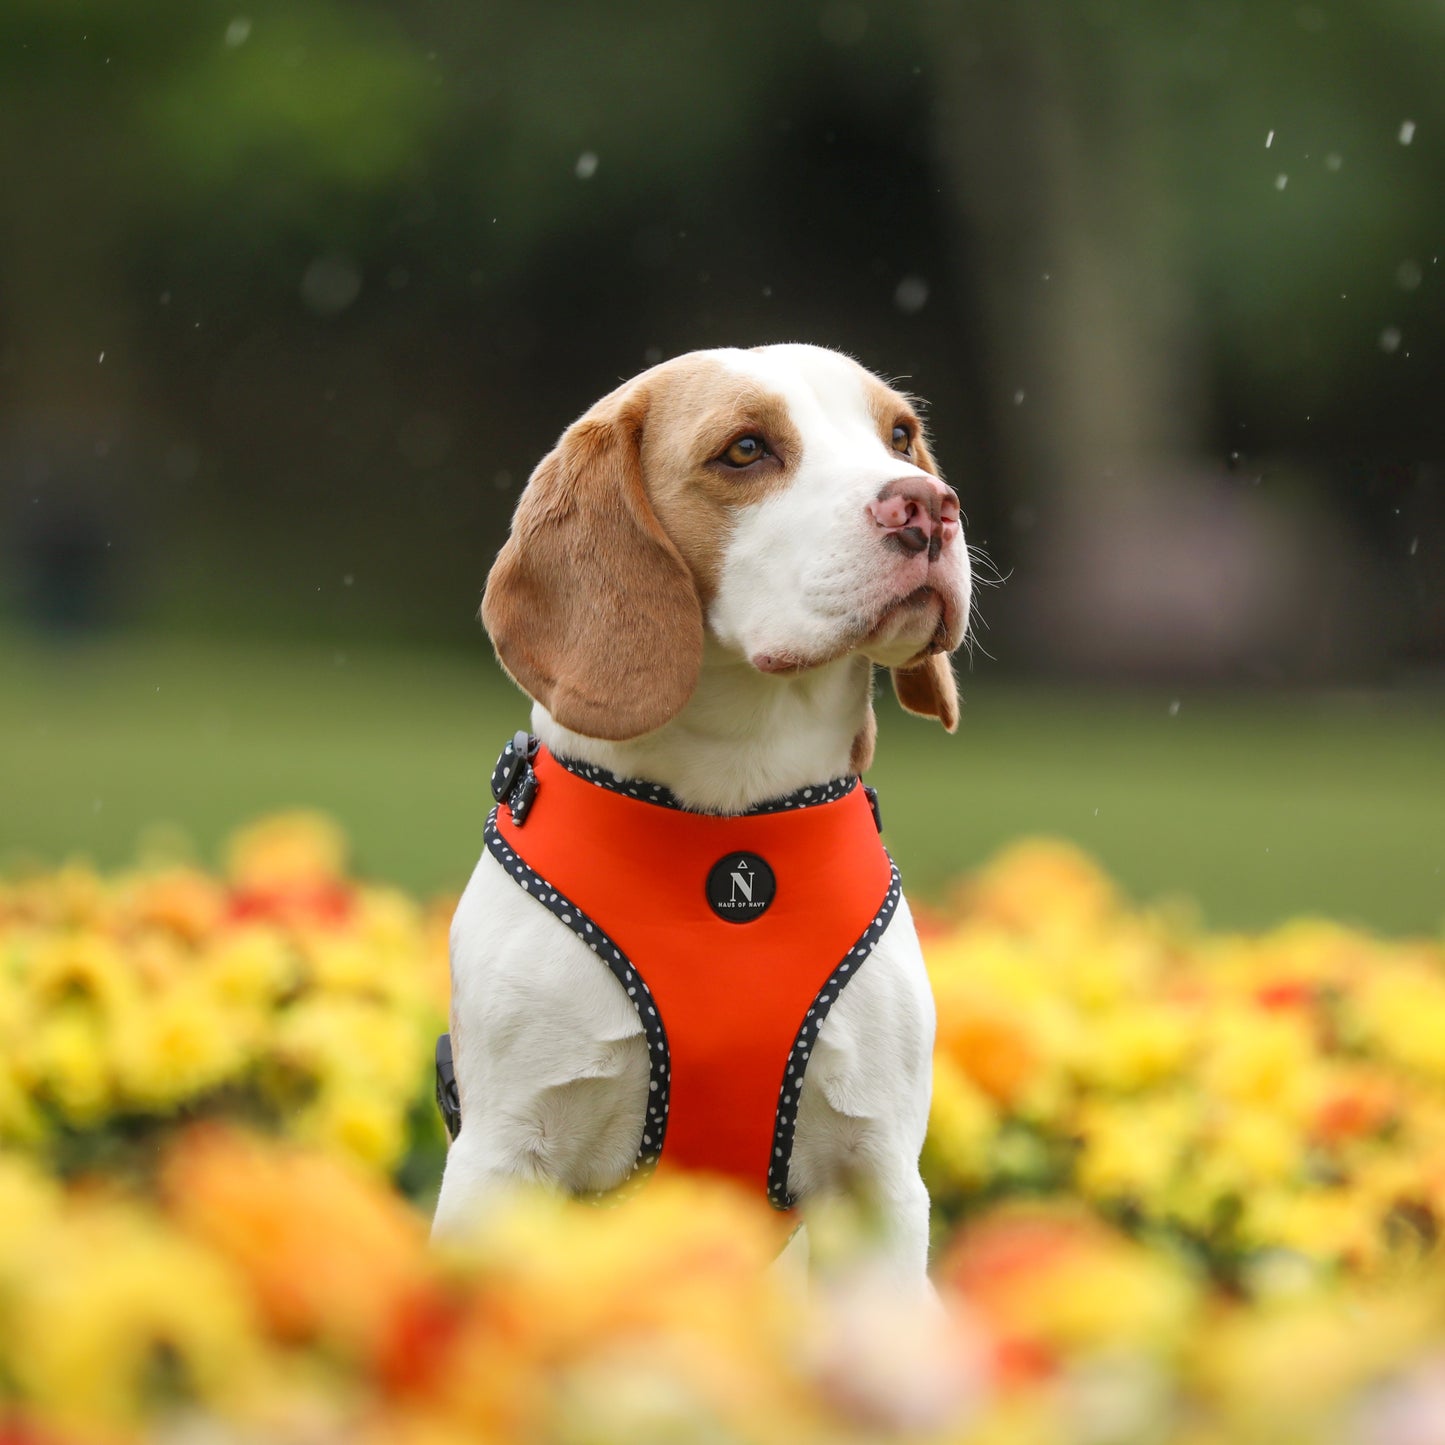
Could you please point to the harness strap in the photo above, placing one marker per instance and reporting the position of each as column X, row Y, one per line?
column 731, row 980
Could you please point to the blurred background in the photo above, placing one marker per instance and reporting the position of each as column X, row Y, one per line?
column 293, row 297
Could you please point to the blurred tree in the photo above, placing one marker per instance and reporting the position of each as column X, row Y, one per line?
column 125, row 120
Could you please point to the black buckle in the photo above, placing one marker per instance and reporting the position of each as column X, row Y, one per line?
column 448, row 1099
column 873, row 803
column 513, row 781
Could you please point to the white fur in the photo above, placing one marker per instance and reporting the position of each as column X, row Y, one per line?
column 550, row 1057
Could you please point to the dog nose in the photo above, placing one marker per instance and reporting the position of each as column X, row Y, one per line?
column 917, row 514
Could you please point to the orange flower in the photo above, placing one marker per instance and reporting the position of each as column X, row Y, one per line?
column 328, row 1255
column 992, row 1048
column 182, row 901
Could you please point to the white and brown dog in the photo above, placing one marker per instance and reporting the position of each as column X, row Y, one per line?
column 699, row 581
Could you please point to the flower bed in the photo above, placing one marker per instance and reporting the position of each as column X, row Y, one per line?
column 1187, row 1188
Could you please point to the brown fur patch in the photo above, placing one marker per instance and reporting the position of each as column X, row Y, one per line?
column 890, row 407
column 590, row 606
column 929, row 689
column 699, row 407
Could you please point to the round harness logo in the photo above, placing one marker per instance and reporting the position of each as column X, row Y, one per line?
column 740, row 887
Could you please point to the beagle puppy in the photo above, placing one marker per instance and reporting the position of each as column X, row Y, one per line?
column 699, row 581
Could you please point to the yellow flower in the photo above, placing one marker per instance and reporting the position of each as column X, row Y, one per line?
column 1261, row 1059
column 66, row 1061
column 339, row 1039
column 28, row 1199
column 1333, row 1225
column 251, row 966
column 962, row 1124
column 359, row 1121
column 1402, row 1012
column 176, row 1045
column 1256, row 1146
column 1132, row 1151
column 79, row 968
column 112, row 1315
column 1137, row 1045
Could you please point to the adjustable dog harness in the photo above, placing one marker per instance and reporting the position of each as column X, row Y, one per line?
column 733, row 936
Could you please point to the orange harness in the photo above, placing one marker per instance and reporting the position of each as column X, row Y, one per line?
column 733, row 936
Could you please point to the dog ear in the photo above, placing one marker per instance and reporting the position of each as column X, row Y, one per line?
column 589, row 605
column 929, row 689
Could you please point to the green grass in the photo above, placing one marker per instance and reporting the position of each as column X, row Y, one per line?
column 1257, row 807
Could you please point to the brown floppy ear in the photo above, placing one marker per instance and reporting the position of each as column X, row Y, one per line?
column 929, row 690
column 589, row 605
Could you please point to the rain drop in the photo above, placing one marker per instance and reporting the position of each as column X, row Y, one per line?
column 330, row 284
column 1334, row 161
column 1390, row 339
column 238, row 32
column 911, row 295
column 1269, row 140
column 1408, row 275
column 586, row 166
column 1407, row 132
column 1281, row 181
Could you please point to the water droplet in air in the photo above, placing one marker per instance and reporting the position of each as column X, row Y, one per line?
column 1414, row 545
column 1174, row 708
column 1334, row 161
column 1408, row 275
column 238, row 32
column 911, row 295
column 1269, row 140
column 1407, row 132
column 1281, row 181
column 330, row 284
column 1019, row 397
column 586, row 166
column 1390, row 339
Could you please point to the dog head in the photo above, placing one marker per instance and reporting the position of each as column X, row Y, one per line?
column 782, row 500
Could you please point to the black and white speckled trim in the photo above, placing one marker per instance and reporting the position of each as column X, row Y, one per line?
column 807, row 1036
column 664, row 797
column 659, row 1061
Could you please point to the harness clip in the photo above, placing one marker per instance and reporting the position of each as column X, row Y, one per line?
column 448, row 1099
column 872, row 794
column 513, row 781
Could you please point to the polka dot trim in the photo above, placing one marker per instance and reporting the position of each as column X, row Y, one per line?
column 664, row 797
column 807, row 1036
column 654, row 1127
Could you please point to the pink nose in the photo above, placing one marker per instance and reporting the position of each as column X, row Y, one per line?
column 917, row 513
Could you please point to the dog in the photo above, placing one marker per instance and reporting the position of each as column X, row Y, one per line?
column 698, row 584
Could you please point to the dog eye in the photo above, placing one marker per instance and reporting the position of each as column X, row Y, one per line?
column 745, row 451
column 902, row 439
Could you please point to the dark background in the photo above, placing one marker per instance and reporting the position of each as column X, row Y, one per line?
column 293, row 296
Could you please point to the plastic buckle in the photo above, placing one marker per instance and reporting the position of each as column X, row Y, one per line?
column 448, row 1099
column 873, row 803
column 513, row 781
column 509, row 768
